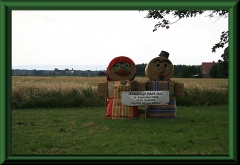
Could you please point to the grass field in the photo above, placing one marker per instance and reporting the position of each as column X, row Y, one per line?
column 64, row 115
column 196, row 130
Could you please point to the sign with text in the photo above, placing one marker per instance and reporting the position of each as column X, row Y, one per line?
column 137, row 98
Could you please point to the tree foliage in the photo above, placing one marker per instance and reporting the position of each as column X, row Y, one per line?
column 180, row 71
column 101, row 73
column 188, row 71
column 223, row 65
column 140, row 69
column 213, row 72
column 222, row 42
column 180, row 14
column 220, row 70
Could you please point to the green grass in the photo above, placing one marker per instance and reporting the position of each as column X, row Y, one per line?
column 196, row 130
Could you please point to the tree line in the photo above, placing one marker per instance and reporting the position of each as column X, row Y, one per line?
column 219, row 70
column 180, row 71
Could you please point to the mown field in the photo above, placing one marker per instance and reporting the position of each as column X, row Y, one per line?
column 65, row 116
column 69, row 91
column 196, row 130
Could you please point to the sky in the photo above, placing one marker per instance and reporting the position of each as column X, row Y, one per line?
column 89, row 40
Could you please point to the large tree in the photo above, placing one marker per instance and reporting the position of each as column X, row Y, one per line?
column 220, row 70
column 213, row 72
column 223, row 65
column 181, row 14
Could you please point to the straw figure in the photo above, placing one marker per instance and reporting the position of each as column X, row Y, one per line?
column 120, row 75
column 160, row 71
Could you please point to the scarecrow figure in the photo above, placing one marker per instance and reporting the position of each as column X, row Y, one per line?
column 120, row 75
column 159, row 71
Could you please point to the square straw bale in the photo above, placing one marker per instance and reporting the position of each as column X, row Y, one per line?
column 102, row 89
column 179, row 89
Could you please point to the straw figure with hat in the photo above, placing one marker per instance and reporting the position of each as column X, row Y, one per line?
column 159, row 71
column 120, row 75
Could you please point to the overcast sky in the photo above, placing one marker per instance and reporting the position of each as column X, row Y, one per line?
column 96, row 37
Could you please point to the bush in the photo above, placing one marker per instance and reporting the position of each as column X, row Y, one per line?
column 56, row 99
column 196, row 96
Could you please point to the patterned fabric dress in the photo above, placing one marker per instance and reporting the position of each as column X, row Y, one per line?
column 161, row 111
column 115, row 109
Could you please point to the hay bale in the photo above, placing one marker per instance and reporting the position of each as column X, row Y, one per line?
column 179, row 89
column 121, row 68
column 141, row 113
column 161, row 86
column 134, row 85
column 118, row 74
column 102, row 89
column 141, row 86
column 159, row 69
column 160, row 114
column 111, row 87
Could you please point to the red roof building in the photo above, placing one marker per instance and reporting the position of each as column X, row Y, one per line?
column 206, row 66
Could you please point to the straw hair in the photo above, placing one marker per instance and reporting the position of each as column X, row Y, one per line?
column 159, row 69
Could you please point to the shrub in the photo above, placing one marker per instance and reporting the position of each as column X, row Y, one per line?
column 205, row 96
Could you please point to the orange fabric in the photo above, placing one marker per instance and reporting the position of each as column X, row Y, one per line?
column 115, row 109
column 109, row 110
column 109, row 107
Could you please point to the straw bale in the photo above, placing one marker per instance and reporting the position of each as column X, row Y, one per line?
column 179, row 89
column 110, row 89
column 141, row 86
column 161, row 86
column 102, row 89
column 134, row 85
column 116, row 74
column 160, row 73
column 171, row 88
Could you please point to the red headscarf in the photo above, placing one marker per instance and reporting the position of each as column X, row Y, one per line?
column 117, row 60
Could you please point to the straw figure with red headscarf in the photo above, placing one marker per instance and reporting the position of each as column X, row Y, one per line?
column 120, row 75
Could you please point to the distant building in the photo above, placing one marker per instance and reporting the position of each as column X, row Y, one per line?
column 205, row 68
column 69, row 71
